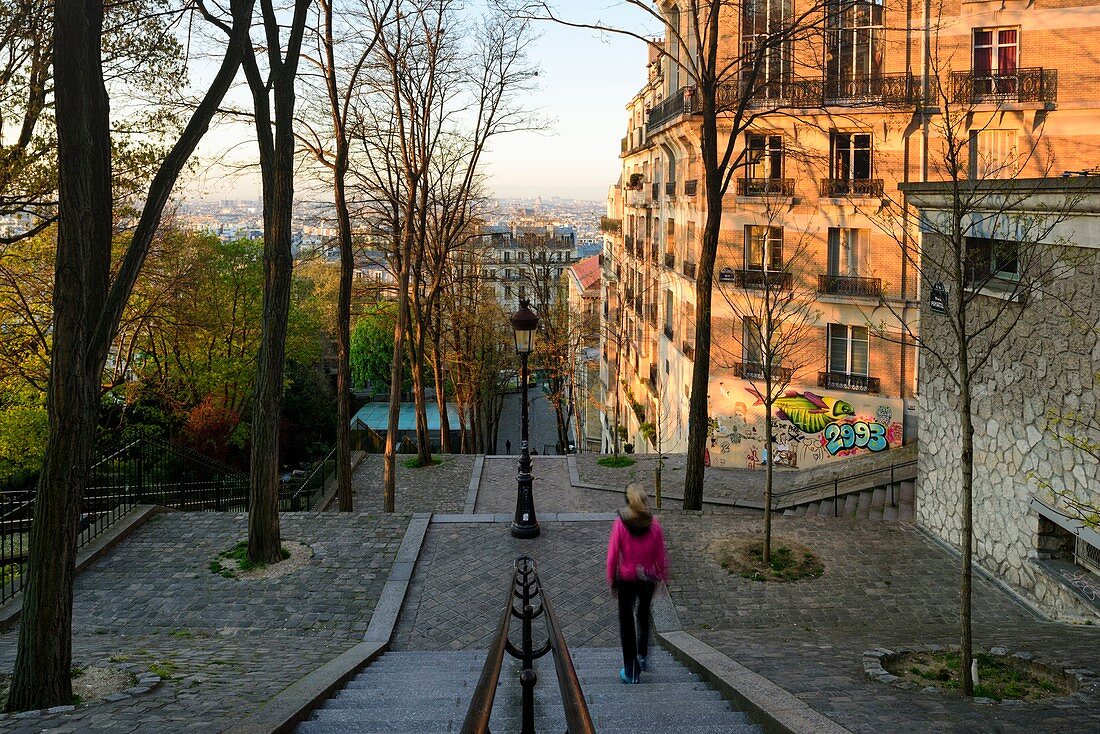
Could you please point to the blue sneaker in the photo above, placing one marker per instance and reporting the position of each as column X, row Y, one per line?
column 625, row 678
column 642, row 662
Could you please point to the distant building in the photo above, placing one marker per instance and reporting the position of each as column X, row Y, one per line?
column 527, row 261
column 584, row 303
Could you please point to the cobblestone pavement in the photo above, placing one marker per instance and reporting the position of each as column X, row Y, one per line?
column 543, row 427
column 459, row 588
column 725, row 484
column 552, row 489
column 439, row 488
column 227, row 644
column 883, row 585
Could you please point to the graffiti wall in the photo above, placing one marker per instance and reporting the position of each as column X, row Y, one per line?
column 809, row 427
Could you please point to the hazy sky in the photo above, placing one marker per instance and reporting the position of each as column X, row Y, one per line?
column 585, row 80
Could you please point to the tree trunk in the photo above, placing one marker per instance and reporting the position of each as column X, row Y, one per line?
column 43, row 663
column 389, row 470
column 698, row 411
column 441, row 397
column 769, row 439
column 967, row 539
column 420, row 403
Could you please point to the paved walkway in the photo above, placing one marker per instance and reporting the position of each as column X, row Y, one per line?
column 232, row 645
column 229, row 644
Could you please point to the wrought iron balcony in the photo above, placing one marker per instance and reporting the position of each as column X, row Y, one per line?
column 1019, row 86
column 670, row 260
column 839, row 187
column 849, row 285
column 847, row 381
column 691, row 187
column 765, row 186
column 755, row 371
column 688, row 349
column 760, row 279
column 880, row 89
column 689, row 269
column 675, row 105
column 670, row 188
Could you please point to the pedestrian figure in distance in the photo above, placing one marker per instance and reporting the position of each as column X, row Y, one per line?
column 636, row 562
column 507, row 445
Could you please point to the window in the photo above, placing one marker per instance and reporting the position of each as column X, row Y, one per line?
column 993, row 154
column 850, row 157
column 848, row 349
column 765, row 157
column 763, row 248
column 673, row 50
column 507, row 291
column 751, row 352
column 996, row 60
column 507, row 256
column 762, row 22
column 990, row 259
column 670, row 313
column 855, row 44
column 847, row 251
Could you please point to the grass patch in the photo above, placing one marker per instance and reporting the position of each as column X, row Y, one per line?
column 615, row 462
column 414, row 462
column 790, row 561
column 185, row 634
column 164, row 669
column 999, row 677
column 237, row 560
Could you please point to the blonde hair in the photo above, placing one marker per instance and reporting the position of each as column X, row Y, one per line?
column 637, row 499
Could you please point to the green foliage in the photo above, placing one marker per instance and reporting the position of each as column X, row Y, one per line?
column 615, row 462
column 414, row 462
column 372, row 346
column 23, row 430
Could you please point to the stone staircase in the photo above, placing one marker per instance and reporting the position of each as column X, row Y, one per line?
column 429, row 692
column 886, row 502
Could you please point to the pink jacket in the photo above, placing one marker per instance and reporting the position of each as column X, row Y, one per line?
column 627, row 552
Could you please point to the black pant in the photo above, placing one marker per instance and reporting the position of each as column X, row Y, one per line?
column 635, row 640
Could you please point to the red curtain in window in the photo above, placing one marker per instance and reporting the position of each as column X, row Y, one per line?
column 1006, row 52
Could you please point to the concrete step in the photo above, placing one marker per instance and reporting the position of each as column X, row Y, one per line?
column 851, row 504
column 414, row 693
column 825, row 508
column 864, row 506
column 878, row 499
column 906, row 513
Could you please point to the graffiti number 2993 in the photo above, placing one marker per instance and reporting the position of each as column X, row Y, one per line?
column 862, row 435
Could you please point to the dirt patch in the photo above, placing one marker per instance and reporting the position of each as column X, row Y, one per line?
column 790, row 561
column 234, row 563
column 1000, row 677
column 90, row 684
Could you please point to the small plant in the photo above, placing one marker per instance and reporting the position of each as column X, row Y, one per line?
column 75, row 672
column 163, row 669
column 615, row 462
column 185, row 634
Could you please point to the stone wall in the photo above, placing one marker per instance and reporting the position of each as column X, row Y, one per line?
column 1045, row 366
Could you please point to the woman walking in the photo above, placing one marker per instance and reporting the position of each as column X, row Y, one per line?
column 636, row 561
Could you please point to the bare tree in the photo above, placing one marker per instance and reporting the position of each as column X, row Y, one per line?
column 986, row 257
column 776, row 308
column 87, row 307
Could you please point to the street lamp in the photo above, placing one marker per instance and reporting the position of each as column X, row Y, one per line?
column 525, row 524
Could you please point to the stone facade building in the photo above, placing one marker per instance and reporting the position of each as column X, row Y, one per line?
column 1037, row 395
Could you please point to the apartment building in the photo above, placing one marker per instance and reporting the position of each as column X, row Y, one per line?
column 870, row 99
column 527, row 261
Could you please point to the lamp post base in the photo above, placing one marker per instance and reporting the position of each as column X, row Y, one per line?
column 525, row 524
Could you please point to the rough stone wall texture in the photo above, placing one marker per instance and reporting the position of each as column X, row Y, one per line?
column 1045, row 366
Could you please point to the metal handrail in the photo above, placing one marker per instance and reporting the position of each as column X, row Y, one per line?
column 837, row 479
column 526, row 587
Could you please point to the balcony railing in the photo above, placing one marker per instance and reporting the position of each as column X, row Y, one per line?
column 847, row 381
column 755, row 371
column 676, row 105
column 691, row 187
column 838, row 187
column 751, row 278
column 670, row 260
column 849, row 285
column 885, row 89
column 765, row 186
column 689, row 269
column 1020, row 86
column 688, row 349
column 668, row 332
column 670, row 188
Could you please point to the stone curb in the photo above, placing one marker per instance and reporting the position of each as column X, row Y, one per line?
column 489, row 518
column 770, row 707
column 105, row 541
column 475, row 485
column 741, row 504
column 1088, row 681
column 288, row 708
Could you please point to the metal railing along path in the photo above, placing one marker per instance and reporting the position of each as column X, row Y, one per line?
column 888, row 474
column 526, row 587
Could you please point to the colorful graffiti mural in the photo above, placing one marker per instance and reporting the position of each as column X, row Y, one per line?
column 808, row 427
